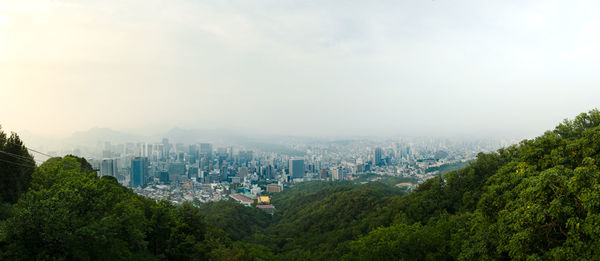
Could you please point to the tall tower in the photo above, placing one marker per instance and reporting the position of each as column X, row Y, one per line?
column 139, row 171
column 108, row 168
column 243, row 172
column 377, row 156
column 206, row 149
column 166, row 148
column 337, row 173
column 297, row 168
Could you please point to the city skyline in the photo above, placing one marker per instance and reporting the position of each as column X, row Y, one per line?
column 161, row 169
column 301, row 69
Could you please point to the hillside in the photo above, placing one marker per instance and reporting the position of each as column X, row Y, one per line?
column 539, row 199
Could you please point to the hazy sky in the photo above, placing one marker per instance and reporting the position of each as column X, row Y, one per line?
column 298, row 67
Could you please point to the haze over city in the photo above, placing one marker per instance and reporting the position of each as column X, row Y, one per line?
column 310, row 68
column 299, row 130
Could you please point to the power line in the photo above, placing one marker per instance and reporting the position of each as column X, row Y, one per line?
column 30, row 149
column 23, row 157
column 14, row 163
column 17, row 156
column 50, row 156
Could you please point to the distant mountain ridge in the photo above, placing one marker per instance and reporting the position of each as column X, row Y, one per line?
column 187, row 136
column 97, row 134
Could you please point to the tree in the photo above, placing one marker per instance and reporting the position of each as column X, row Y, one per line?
column 16, row 168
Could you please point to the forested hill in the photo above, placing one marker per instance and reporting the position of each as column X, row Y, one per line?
column 537, row 200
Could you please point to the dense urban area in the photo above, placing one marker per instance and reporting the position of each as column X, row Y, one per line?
column 200, row 173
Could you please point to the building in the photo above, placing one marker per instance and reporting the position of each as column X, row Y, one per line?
column 164, row 177
column 192, row 153
column 166, row 148
column 245, row 156
column 246, row 201
column 108, row 167
column 176, row 171
column 192, row 172
column 270, row 209
column 297, row 168
column 242, row 172
column 337, row 173
column 263, row 200
column 255, row 190
column 273, row 188
column 267, row 172
column 324, row 174
column 206, row 150
column 378, row 157
column 139, row 171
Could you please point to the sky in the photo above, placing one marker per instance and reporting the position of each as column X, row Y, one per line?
column 307, row 68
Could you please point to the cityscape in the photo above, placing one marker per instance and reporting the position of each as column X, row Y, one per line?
column 203, row 172
column 299, row 130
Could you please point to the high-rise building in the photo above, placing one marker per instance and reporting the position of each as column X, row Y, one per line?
column 107, row 154
column 221, row 155
column 243, row 172
column 337, row 173
column 324, row 174
column 164, row 177
column 378, row 157
column 176, row 169
column 245, row 156
column 230, row 156
column 192, row 172
column 146, row 150
column 206, row 150
column 158, row 151
column 139, row 171
column 108, row 167
column 267, row 171
column 297, row 168
column 166, row 148
column 360, row 168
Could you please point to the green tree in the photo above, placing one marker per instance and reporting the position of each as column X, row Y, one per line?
column 16, row 168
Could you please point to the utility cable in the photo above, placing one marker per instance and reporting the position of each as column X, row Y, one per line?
column 17, row 156
column 18, row 164
column 30, row 149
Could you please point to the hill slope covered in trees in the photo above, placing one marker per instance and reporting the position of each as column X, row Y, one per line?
column 539, row 199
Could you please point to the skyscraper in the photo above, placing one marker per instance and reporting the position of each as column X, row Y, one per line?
column 337, row 173
column 164, row 177
column 176, row 169
column 244, row 156
column 267, row 171
column 166, row 148
column 324, row 174
column 378, row 157
column 206, row 150
column 297, row 168
column 243, row 172
column 108, row 168
column 139, row 171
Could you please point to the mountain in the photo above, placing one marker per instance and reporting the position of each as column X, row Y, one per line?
column 190, row 136
column 97, row 135
column 228, row 137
